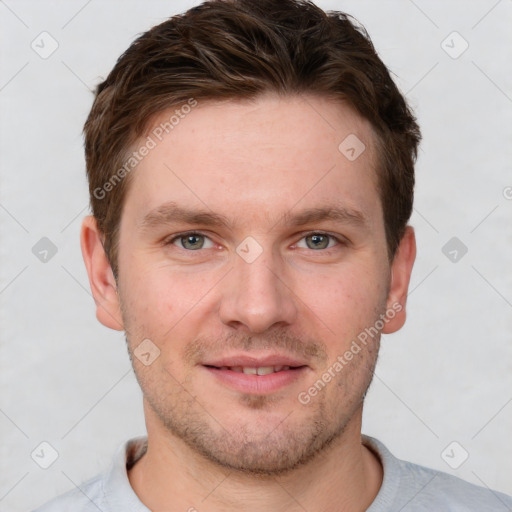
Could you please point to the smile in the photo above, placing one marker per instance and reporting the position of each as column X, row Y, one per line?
column 260, row 380
column 260, row 370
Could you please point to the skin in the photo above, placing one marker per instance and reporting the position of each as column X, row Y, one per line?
column 211, row 446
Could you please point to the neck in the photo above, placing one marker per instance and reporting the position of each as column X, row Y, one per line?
column 172, row 476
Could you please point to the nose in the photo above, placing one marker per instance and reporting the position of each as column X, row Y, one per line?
column 257, row 295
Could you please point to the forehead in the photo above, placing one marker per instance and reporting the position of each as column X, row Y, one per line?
column 260, row 157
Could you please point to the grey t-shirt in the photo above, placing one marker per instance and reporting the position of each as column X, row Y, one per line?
column 406, row 487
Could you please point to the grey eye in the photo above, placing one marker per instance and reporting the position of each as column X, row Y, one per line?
column 317, row 241
column 193, row 241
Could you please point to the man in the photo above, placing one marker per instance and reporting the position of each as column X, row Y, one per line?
column 251, row 171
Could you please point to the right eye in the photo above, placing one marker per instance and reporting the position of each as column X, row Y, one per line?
column 190, row 241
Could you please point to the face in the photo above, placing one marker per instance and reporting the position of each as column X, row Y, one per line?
column 252, row 256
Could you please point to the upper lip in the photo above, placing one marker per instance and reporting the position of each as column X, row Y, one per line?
column 254, row 361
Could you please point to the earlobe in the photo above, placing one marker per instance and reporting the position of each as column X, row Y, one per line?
column 401, row 269
column 101, row 279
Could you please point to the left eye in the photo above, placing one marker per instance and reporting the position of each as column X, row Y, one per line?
column 318, row 241
column 192, row 241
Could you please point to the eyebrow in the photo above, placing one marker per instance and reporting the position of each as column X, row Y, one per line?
column 339, row 214
column 171, row 212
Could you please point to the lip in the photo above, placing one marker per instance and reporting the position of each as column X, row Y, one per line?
column 255, row 361
column 256, row 384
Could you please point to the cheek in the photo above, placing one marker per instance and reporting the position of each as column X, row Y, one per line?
column 162, row 303
column 345, row 301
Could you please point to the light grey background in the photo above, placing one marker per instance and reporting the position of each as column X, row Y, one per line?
column 446, row 376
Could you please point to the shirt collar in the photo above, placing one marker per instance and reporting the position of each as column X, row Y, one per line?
column 119, row 494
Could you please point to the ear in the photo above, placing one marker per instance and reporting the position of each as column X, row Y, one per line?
column 101, row 277
column 401, row 269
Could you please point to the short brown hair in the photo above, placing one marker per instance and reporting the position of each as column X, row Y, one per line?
column 236, row 49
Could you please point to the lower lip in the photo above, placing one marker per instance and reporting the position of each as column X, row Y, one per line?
column 257, row 384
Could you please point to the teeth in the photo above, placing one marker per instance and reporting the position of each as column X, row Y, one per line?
column 265, row 370
column 261, row 370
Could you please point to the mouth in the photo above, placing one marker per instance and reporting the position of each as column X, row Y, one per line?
column 255, row 370
column 252, row 375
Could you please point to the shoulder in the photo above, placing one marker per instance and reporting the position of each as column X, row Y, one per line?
column 413, row 488
column 88, row 497
column 107, row 491
column 449, row 492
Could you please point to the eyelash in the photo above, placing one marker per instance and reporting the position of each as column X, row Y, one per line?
column 322, row 233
